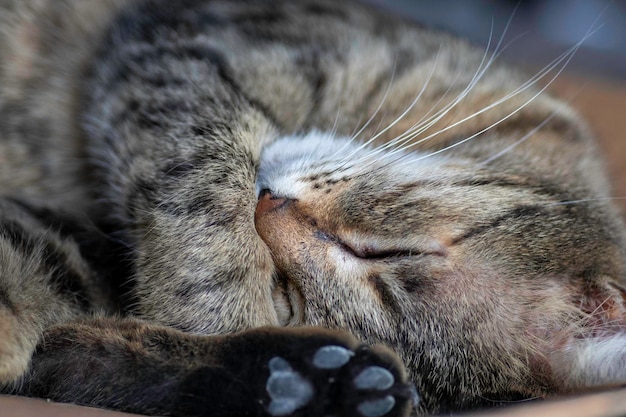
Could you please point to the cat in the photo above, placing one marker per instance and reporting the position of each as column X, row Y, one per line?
column 293, row 208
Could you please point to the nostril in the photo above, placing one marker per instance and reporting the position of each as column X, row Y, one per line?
column 268, row 202
column 263, row 192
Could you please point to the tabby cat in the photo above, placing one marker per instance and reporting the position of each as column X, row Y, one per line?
column 292, row 208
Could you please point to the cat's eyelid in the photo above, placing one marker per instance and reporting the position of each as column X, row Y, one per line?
column 371, row 253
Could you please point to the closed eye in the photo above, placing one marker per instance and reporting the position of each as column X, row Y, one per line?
column 371, row 253
column 366, row 252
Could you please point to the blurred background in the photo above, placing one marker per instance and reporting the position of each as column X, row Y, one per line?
column 544, row 28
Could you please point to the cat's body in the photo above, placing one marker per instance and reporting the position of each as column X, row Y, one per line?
column 211, row 138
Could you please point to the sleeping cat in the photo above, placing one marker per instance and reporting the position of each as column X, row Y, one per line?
column 292, row 208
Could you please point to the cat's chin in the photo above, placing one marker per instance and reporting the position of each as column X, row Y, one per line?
column 288, row 302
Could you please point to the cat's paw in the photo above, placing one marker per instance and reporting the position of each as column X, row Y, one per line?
column 270, row 372
column 294, row 372
column 338, row 381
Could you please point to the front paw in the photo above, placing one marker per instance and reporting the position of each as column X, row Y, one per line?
column 336, row 380
column 137, row 367
column 298, row 372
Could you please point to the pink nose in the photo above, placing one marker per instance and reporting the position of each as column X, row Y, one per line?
column 267, row 203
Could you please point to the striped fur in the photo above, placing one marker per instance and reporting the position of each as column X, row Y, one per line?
column 204, row 168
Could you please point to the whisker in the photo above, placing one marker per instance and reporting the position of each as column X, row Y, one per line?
column 566, row 57
column 382, row 101
column 393, row 142
column 415, row 100
column 421, row 127
column 477, row 75
column 355, row 134
column 568, row 100
column 517, row 142
column 333, row 131
column 480, row 71
column 582, row 200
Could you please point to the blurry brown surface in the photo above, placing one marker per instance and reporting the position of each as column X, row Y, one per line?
column 603, row 105
column 606, row 404
column 31, row 407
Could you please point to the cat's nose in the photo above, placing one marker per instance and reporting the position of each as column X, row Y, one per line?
column 268, row 202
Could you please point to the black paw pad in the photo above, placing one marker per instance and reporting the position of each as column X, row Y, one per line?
column 332, row 357
column 287, row 389
column 360, row 381
column 377, row 408
column 374, row 377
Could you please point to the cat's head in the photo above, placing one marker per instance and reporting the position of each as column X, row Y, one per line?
column 482, row 274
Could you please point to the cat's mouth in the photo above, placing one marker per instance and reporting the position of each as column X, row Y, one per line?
column 288, row 301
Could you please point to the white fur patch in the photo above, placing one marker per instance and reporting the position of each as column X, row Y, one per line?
column 287, row 164
column 591, row 362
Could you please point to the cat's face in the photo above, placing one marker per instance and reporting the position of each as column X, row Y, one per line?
column 470, row 271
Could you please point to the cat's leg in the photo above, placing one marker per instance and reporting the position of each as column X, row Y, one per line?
column 179, row 145
column 130, row 365
column 198, row 263
column 44, row 280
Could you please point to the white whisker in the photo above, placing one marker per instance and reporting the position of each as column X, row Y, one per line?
column 333, row 131
column 561, row 61
column 582, row 200
column 532, row 132
column 413, row 103
column 480, row 71
column 380, row 105
column 422, row 126
column 566, row 57
column 517, row 142
column 477, row 75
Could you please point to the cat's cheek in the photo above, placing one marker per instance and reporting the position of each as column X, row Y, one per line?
column 538, row 325
column 311, row 269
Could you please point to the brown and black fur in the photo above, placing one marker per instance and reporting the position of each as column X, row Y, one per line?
column 137, row 257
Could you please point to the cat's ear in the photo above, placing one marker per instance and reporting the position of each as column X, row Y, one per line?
column 605, row 303
column 595, row 355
